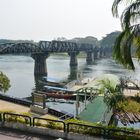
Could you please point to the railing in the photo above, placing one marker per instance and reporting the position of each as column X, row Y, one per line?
column 68, row 127
column 84, row 105
column 0, row 117
column 59, row 113
column 28, row 103
column 65, row 117
column 50, row 123
column 86, row 129
column 14, row 117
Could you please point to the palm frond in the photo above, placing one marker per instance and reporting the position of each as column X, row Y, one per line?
column 116, row 4
column 130, row 21
column 127, row 60
column 130, row 15
column 115, row 7
column 117, row 52
column 136, row 28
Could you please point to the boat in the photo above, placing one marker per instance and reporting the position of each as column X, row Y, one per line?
column 58, row 95
column 51, row 82
column 57, row 92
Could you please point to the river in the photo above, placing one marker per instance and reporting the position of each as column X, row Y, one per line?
column 20, row 70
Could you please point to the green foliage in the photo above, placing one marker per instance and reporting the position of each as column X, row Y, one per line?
column 112, row 93
column 14, row 118
column 49, row 124
column 87, row 130
column 84, row 129
column 109, row 40
column 117, row 132
column 82, row 122
column 129, row 105
column 4, row 82
column 2, row 41
column 88, row 40
column 130, row 34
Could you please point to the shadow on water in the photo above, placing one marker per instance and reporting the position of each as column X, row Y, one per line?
column 38, row 84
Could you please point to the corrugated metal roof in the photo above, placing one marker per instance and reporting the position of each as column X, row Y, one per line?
column 94, row 111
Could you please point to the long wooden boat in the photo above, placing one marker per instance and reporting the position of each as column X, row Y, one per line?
column 58, row 95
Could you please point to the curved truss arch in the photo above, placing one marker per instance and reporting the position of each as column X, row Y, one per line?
column 63, row 46
column 20, row 48
column 5, row 45
column 47, row 46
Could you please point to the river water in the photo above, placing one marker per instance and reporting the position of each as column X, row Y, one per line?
column 20, row 70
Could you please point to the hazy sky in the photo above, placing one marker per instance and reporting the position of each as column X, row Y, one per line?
column 49, row 19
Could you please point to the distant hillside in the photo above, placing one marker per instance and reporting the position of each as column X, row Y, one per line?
column 109, row 40
column 14, row 41
column 88, row 40
column 5, row 41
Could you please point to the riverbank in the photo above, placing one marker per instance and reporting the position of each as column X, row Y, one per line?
column 6, row 106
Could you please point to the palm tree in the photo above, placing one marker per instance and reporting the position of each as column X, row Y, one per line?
column 112, row 93
column 130, row 36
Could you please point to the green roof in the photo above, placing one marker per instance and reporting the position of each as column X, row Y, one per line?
column 94, row 111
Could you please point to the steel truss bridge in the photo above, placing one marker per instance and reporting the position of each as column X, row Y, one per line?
column 45, row 46
column 40, row 51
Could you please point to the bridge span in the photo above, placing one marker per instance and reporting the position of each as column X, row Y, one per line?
column 40, row 52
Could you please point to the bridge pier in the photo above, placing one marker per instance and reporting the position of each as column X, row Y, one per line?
column 90, row 57
column 73, row 58
column 98, row 55
column 95, row 55
column 73, row 73
column 104, row 54
column 101, row 53
column 40, row 67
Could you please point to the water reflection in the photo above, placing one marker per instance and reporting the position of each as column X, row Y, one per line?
column 73, row 73
column 20, row 70
column 38, row 82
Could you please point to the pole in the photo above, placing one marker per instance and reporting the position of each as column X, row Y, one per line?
column 85, row 100
column 77, row 103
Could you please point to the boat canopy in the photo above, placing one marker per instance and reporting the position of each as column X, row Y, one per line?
column 51, row 79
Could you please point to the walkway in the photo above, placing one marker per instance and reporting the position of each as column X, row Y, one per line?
column 6, row 106
column 12, row 134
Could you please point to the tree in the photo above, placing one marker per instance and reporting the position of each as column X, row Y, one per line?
column 109, row 40
column 130, row 35
column 112, row 93
column 87, row 40
column 4, row 82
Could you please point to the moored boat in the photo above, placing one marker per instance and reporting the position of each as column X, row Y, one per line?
column 51, row 82
column 58, row 95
